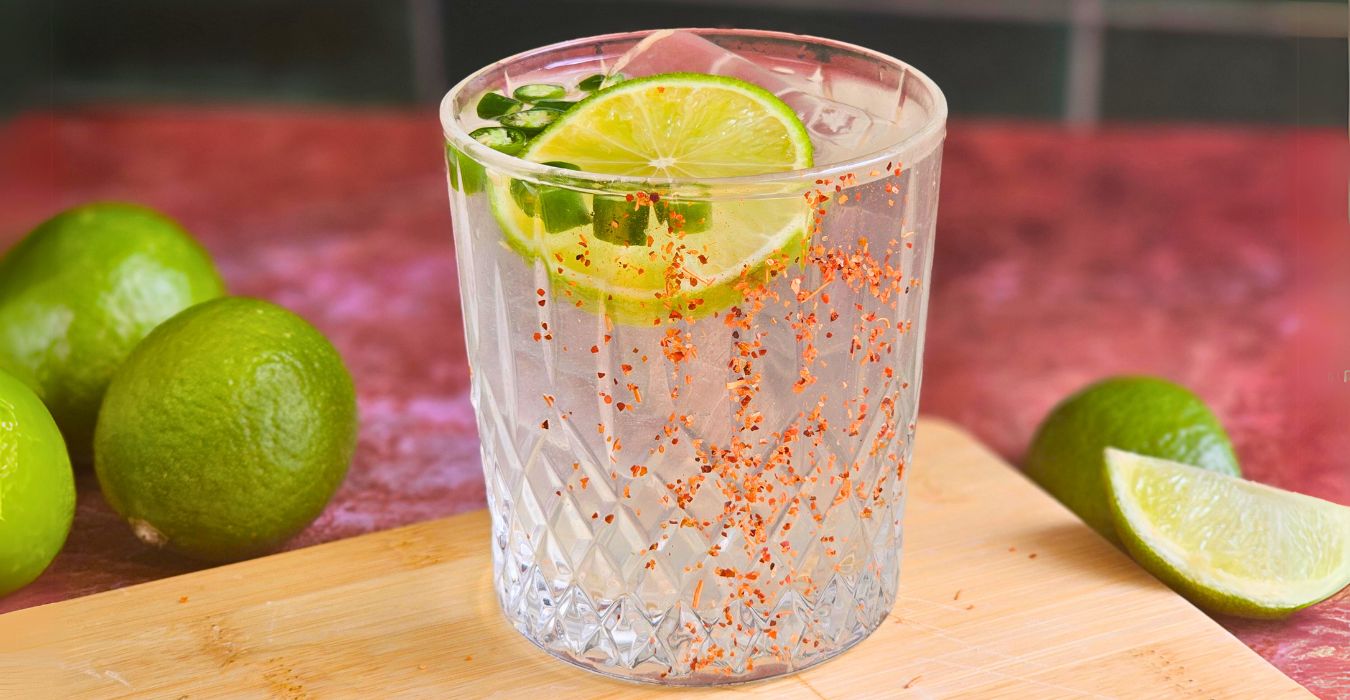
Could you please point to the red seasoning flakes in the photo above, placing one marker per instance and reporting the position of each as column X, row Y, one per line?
column 781, row 442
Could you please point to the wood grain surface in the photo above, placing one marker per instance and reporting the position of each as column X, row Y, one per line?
column 1003, row 594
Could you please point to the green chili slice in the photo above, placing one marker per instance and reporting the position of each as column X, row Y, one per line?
column 539, row 91
column 555, row 105
column 500, row 138
column 492, row 106
column 591, row 83
column 559, row 209
column 687, row 217
column 530, row 121
column 620, row 221
column 466, row 174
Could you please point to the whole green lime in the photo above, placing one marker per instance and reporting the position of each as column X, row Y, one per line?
column 37, row 487
column 1144, row 415
column 226, row 431
column 81, row 290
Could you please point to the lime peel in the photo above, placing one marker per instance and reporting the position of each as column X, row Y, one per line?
column 37, row 486
column 226, row 431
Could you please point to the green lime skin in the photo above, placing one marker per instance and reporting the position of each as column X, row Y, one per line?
column 1144, row 415
column 81, row 290
column 226, row 431
column 37, row 486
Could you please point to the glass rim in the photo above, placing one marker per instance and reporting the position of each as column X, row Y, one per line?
column 454, row 132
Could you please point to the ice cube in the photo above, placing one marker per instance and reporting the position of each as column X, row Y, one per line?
column 838, row 130
column 672, row 50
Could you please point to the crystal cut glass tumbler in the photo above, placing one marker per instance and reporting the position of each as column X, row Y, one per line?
column 700, row 479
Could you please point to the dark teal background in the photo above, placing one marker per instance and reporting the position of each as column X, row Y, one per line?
column 357, row 52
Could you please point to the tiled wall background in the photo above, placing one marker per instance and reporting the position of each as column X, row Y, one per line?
column 1278, row 61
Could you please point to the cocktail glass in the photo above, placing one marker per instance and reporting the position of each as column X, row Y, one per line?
column 704, row 482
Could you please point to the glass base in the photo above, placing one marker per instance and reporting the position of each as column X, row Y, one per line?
column 677, row 648
column 764, row 672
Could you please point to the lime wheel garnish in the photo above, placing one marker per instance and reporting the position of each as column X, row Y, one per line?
column 645, row 255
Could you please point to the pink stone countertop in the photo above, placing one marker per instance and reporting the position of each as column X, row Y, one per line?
column 1216, row 256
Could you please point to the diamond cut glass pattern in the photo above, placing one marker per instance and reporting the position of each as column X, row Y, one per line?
column 705, row 486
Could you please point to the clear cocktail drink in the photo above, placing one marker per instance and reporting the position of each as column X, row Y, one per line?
column 696, row 394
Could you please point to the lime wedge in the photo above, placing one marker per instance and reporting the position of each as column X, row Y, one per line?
column 677, row 125
column 1229, row 545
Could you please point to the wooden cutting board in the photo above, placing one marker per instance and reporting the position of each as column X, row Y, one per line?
column 1003, row 593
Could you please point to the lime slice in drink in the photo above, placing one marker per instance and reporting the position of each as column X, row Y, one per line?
column 621, row 254
column 1230, row 545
